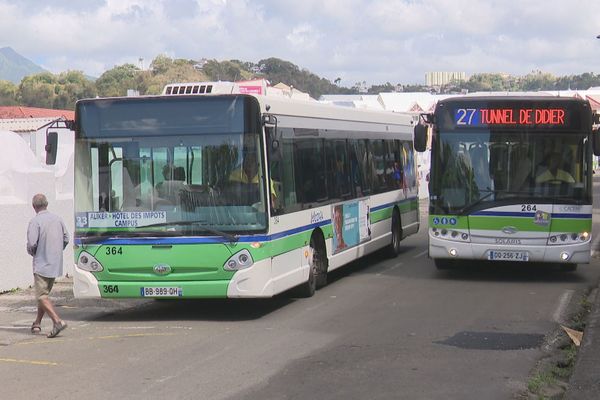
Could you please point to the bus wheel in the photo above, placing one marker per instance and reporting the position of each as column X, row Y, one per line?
column 394, row 247
column 317, row 245
column 317, row 272
column 568, row 267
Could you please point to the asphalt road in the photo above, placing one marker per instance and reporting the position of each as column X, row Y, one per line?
column 382, row 329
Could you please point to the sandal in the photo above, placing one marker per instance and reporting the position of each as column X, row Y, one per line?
column 57, row 328
column 36, row 328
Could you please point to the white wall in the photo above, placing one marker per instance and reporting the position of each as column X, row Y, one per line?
column 22, row 175
column 424, row 164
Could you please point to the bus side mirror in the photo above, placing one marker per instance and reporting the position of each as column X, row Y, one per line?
column 420, row 139
column 51, row 147
column 596, row 141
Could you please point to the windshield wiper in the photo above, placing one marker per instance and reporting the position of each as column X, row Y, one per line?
column 91, row 239
column 200, row 223
column 474, row 204
column 98, row 238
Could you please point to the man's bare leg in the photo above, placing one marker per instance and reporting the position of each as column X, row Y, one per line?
column 46, row 305
column 40, row 314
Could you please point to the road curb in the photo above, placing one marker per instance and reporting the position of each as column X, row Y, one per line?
column 585, row 382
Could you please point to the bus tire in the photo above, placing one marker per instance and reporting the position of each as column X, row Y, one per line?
column 317, row 273
column 393, row 248
column 317, row 244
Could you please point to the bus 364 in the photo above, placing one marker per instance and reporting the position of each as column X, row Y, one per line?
column 510, row 180
column 204, row 192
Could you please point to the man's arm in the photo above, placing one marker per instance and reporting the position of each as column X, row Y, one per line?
column 65, row 235
column 33, row 234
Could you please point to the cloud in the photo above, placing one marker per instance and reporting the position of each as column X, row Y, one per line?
column 378, row 41
column 304, row 37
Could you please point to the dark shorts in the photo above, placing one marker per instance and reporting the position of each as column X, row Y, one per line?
column 42, row 286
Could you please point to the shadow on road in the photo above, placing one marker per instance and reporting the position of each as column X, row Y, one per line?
column 197, row 310
column 508, row 272
column 380, row 263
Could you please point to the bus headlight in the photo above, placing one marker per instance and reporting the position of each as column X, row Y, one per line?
column 564, row 256
column 240, row 260
column 88, row 262
column 568, row 238
column 453, row 235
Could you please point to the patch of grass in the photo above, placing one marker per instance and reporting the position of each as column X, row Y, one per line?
column 14, row 290
column 539, row 381
column 552, row 375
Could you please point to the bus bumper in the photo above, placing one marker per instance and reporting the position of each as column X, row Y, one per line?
column 251, row 282
column 85, row 284
column 577, row 253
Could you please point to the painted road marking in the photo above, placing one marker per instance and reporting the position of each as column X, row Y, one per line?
column 563, row 303
column 421, row 254
column 393, row 267
column 30, row 362
column 104, row 337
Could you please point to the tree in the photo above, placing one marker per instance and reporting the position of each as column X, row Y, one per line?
column 276, row 70
column 486, row 83
column 583, row 81
column 116, row 81
column 223, row 71
column 37, row 90
column 538, row 80
column 72, row 86
column 8, row 93
column 161, row 64
column 385, row 88
column 164, row 70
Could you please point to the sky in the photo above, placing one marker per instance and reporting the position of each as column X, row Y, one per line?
column 375, row 41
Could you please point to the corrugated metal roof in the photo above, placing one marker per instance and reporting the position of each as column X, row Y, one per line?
column 13, row 112
column 24, row 124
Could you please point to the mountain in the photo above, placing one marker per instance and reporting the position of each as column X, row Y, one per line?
column 14, row 67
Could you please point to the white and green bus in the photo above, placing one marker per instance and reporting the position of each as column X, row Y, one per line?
column 206, row 192
column 510, row 180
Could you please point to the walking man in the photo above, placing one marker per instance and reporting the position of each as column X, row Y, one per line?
column 47, row 237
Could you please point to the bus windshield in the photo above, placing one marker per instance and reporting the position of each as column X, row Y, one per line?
column 473, row 169
column 169, row 167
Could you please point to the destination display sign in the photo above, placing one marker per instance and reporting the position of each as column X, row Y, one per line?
column 555, row 116
column 124, row 219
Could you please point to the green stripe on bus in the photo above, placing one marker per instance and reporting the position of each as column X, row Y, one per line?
column 190, row 289
column 525, row 224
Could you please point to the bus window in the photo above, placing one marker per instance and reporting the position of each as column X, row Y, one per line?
column 311, row 183
column 358, row 153
column 377, row 151
column 338, row 173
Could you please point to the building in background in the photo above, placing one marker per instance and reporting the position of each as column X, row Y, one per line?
column 444, row 78
column 30, row 123
column 23, row 173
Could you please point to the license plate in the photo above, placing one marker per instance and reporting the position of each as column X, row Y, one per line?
column 163, row 291
column 503, row 255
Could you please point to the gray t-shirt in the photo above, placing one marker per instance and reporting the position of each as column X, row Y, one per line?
column 47, row 237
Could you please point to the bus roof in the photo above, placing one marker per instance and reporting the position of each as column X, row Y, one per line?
column 274, row 101
column 511, row 97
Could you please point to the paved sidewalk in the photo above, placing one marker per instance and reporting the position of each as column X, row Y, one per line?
column 18, row 310
column 585, row 381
